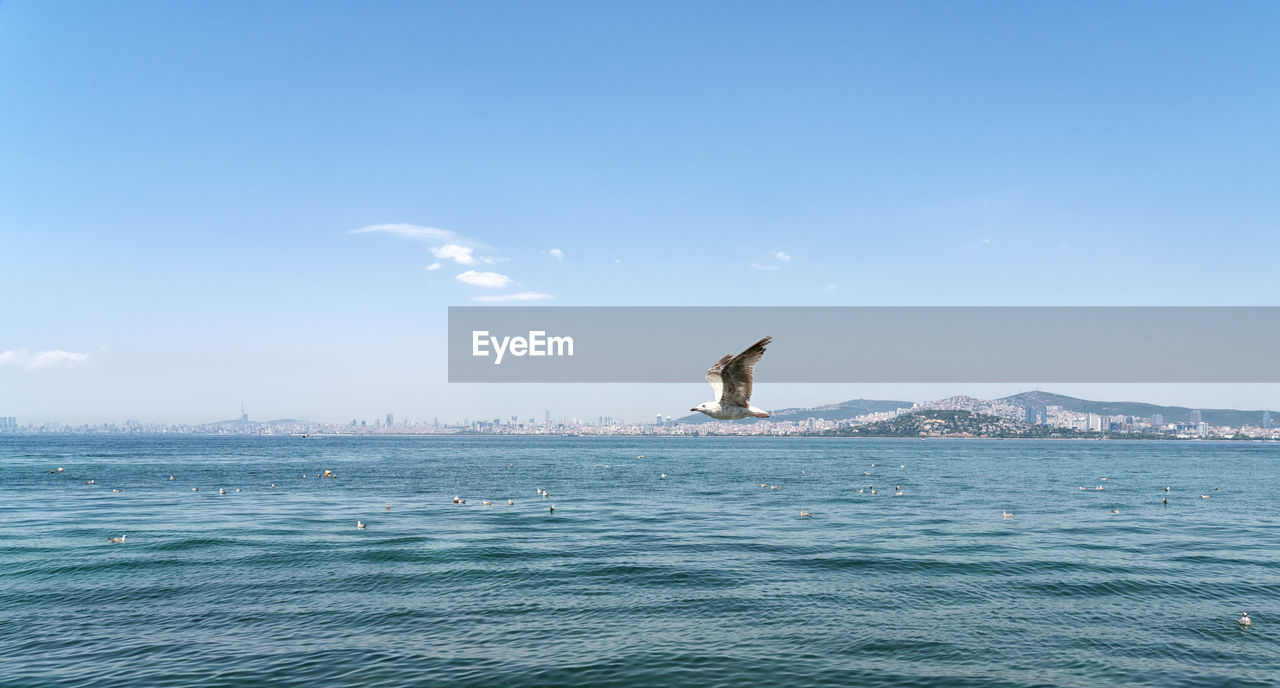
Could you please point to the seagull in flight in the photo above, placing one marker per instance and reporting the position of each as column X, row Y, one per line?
column 730, row 379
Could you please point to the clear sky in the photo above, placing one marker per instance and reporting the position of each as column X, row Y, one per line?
column 181, row 184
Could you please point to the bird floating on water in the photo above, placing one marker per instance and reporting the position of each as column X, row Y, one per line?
column 119, row 539
column 553, row 508
column 115, row 490
column 88, row 482
column 865, row 473
column 1244, row 619
column 859, row 490
column 59, row 469
column 662, row 475
column 898, row 493
column 1006, row 514
column 510, row 502
column 1115, row 511
column 485, row 502
column 731, row 380
column 171, row 477
column 804, row 514
column 773, row 487
column 388, row 506
column 360, row 525
column 222, row 490
column 195, row 489
column 874, row 492
column 1166, row 489
column 641, row 456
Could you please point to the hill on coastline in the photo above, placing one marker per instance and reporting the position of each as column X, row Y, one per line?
column 1172, row 414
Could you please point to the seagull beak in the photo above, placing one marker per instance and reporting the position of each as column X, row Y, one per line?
column 693, row 409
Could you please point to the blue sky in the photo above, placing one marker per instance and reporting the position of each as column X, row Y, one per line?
column 182, row 181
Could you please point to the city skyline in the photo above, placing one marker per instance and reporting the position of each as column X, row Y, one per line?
column 1032, row 413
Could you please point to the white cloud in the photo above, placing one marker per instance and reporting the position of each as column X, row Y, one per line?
column 44, row 359
column 412, row 232
column 557, row 254
column 617, row 260
column 492, row 280
column 433, row 266
column 456, row 253
column 522, row 296
column 782, row 256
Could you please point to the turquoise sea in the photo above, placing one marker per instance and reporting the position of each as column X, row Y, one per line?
column 703, row 578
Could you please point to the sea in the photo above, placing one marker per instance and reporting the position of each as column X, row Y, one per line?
column 666, row 562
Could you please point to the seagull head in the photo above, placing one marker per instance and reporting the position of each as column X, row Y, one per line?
column 704, row 407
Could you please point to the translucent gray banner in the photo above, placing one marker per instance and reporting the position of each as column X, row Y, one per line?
column 867, row 344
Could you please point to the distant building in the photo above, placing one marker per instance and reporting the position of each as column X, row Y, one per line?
column 391, row 419
column 1195, row 417
column 8, row 423
column 546, row 416
column 1266, row 420
column 1202, row 429
column 1157, row 420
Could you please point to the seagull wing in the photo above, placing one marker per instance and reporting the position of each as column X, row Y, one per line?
column 715, row 378
column 737, row 374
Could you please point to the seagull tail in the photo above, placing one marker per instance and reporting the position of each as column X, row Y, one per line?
column 760, row 414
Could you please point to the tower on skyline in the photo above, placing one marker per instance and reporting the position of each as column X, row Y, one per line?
column 244, row 417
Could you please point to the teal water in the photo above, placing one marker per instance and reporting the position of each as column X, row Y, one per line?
column 703, row 578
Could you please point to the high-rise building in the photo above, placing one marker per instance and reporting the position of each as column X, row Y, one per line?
column 391, row 419
column 1157, row 421
column 1029, row 414
column 1195, row 417
column 1266, row 420
column 658, row 420
column 546, row 416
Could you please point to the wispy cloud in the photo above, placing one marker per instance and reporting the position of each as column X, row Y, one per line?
column 557, row 254
column 413, row 232
column 433, row 266
column 521, row 296
column 41, row 360
column 491, row 280
column 782, row 256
